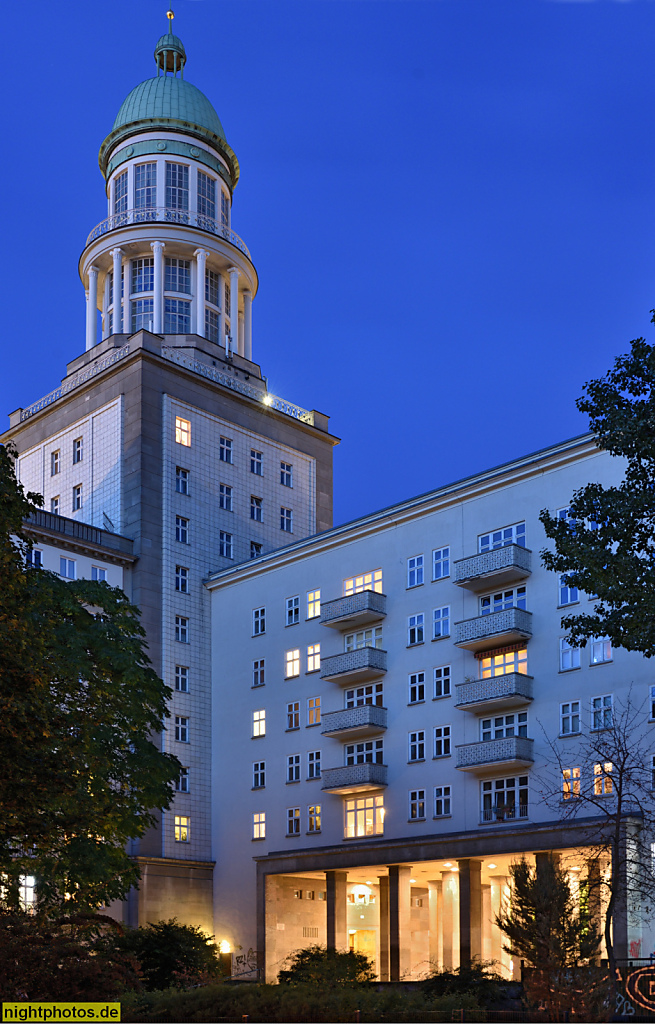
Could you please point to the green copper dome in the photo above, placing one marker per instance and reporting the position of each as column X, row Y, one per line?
column 167, row 97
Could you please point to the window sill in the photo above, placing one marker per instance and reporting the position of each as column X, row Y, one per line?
column 286, row 678
column 354, row 839
column 287, row 624
column 292, row 835
column 313, row 778
column 258, row 737
column 413, row 586
column 440, row 817
column 312, row 618
column 294, row 729
column 411, row 821
column 292, row 782
column 312, row 671
column 571, row 604
column 312, row 725
column 258, row 839
column 413, row 703
column 254, row 788
column 444, row 696
column 419, row 643
column 566, row 735
column 257, row 686
column 446, row 636
column 595, row 664
column 263, row 633
column 417, row 760
column 316, row 832
column 441, row 757
column 440, row 578
column 576, row 668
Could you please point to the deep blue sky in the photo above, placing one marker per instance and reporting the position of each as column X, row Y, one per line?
column 450, row 203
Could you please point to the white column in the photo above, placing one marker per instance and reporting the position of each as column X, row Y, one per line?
column 247, row 325
column 234, row 306
column 105, row 308
column 222, row 310
column 117, row 257
column 92, row 309
column 158, row 296
column 241, row 335
column 201, row 262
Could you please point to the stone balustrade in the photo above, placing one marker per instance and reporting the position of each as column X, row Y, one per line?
column 355, row 610
column 354, row 778
column 512, row 751
column 361, row 664
column 364, row 720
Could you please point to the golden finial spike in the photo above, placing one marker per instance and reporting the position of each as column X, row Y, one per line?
column 170, row 15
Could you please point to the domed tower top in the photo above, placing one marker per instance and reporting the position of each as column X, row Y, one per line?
column 170, row 54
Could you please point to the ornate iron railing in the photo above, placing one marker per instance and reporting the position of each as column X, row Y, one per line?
column 75, row 380
column 165, row 215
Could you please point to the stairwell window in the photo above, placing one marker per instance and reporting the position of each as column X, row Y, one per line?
column 183, row 431
column 182, row 828
column 177, row 186
column 77, row 498
column 225, row 544
column 145, row 186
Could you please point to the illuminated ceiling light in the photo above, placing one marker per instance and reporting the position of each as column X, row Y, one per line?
column 412, row 880
column 448, row 864
column 492, row 866
column 369, row 882
column 576, row 869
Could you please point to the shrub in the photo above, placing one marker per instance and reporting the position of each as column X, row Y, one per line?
column 477, row 979
column 171, row 955
column 318, row 965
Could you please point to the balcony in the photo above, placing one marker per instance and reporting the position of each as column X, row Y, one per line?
column 513, row 752
column 495, row 568
column 496, row 694
column 166, row 215
column 354, row 611
column 495, row 630
column 354, row 778
column 365, row 720
column 354, row 666
column 503, row 812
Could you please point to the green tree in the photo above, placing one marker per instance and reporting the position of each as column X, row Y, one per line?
column 318, row 965
column 79, row 773
column 171, row 955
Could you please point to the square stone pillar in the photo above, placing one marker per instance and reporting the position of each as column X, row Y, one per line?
column 337, row 928
column 450, row 920
column 498, row 883
column 487, row 922
column 384, row 927
column 470, row 911
column 399, row 921
column 436, row 941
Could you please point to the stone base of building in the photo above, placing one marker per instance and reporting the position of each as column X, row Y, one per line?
column 169, row 888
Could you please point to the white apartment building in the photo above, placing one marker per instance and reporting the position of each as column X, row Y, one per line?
column 383, row 698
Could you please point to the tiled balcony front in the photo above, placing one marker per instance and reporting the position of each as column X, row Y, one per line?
column 495, row 568
column 355, row 778
column 510, row 753
column 496, row 629
column 354, row 611
column 365, row 720
column 491, row 695
column 354, row 666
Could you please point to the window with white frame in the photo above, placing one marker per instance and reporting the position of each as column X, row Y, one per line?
column 225, row 544
column 602, row 711
column 502, row 662
column 567, row 515
column 292, row 663
column 34, row 558
column 54, row 505
column 442, row 682
column 143, row 275
column 256, row 462
column 206, row 196
column 293, row 715
column 292, row 611
column 313, row 657
column 182, row 828
column 181, row 530
column 603, row 784
column 212, row 325
column 77, row 497
column 504, row 799
column 225, row 497
column 181, row 729
column 182, row 678
column 416, row 746
column 255, row 549
column 569, row 657
column 225, row 450
column 286, row 474
column 567, row 594
column 293, row 768
column 259, row 723
column 259, row 825
column 417, row 687
column 55, row 462
column 120, row 193
column 503, row 726
column 363, row 638
column 415, row 571
column 182, row 629
column 98, row 573
column 68, row 568
column 182, row 781
column 442, row 741
column 293, row 821
column 145, row 186
column 314, row 821
column 313, row 711
column 569, row 718
column 177, row 316
column 367, row 581
column 258, row 774
column 415, row 628
column 442, row 801
column 181, row 579
column 364, row 816
column 314, row 764
column 227, row 301
column 498, row 602
column 313, row 604
column 225, row 209
column 212, row 287
column 440, row 563
column 258, row 621
column 441, row 622
column 78, row 450
column 181, row 480
column 142, row 315
column 417, row 805
column 600, row 650
column 183, row 431
column 258, row 672
column 286, row 519
column 177, row 186
column 366, row 752
column 372, row 693
column 570, row 783
column 27, row 893
column 502, row 538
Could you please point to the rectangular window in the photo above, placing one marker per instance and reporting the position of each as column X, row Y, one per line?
column 181, row 629
column 367, row 581
column 292, row 663
column 182, row 678
column 256, row 462
column 206, row 196
column 569, row 657
column 77, row 450
column 145, row 186
column 293, row 714
column 228, row 299
column 417, row 687
column 441, row 801
column 504, row 726
column 363, row 638
column 212, row 325
column 373, row 693
column 441, row 622
column 286, row 519
column 364, row 817
column 142, row 315
column 416, row 804
column 602, row 711
column 55, row 462
column 54, row 505
column 293, row 768
column 182, row 781
column 177, row 186
column 569, row 718
column 502, row 538
column 313, row 657
column 259, row 825
column 570, row 783
column 504, row 799
column 225, row 497
column 440, row 563
column 258, row 621
column 98, row 573
column 416, row 745
column 181, row 530
column 225, row 210
column 514, row 598
column 502, row 662
column 255, row 549
column 177, row 316
column 256, row 509
column 442, row 681
column 120, row 193
column 181, row 579
column 415, row 571
column 368, row 752
column 258, row 672
column 225, row 544
column 259, row 723
column 567, row 594
column 293, row 821
column 286, row 474
column 181, row 729
column 182, row 828
column 212, row 287
column 68, row 568
column 601, row 650
column 143, row 275
column 314, row 825
column 603, row 785
column 34, row 558
column 292, row 611
column 415, row 626
column 181, row 480
column 314, row 711
column 652, row 704
column 225, row 450
column 313, row 604
column 314, row 764
column 258, row 774
column 442, row 741
column 77, row 498
column 183, row 431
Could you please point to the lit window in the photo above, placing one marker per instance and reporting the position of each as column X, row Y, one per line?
column 181, row 629
column 256, row 509
column 417, row 746
column 293, row 821
column 258, row 672
column 373, row 693
column 363, row 638
column 293, row 714
column 314, row 711
column 504, row 726
column 313, row 604
column 440, row 563
column 181, row 729
column 504, row 799
column 181, row 530
column 54, row 505
column 181, row 579
column 256, row 462
column 514, row 598
column 442, row 681
column 286, row 474
column 314, row 764
column 120, row 193
column 368, row 752
column 145, row 186
column 183, row 431
column 182, row 678
column 416, row 804
column 68, row 568
column 502, row 538
column 182, row 829
column 77, row 498
column 225, row 497
column 225, row 450
column 601, row 650
column 259, row 723
column 55, row 462
column 415, row 571
column 567, row 594
column 207, row 197
column 258, row 774
column 570, row 718
column 570, row 783
column 293, row 768
column 417, row 688
column 415, row 626
column 259, row 825
column 441, row 623
column 255, row 549
column 313, row 657
column 367, row 581
column 286, row 520
column 258, row 621
column 569, row 657
column 182, row 781
column 441, row 801
column 27, row 893
column 364, row 817
column 292, row 663
column 314, row 819
column 501, row 663
column 602, row 711
column 442, row 741
column 181, row 480
column 225, row 544
column 603, row 785
column 99, row 574
column 293, row 611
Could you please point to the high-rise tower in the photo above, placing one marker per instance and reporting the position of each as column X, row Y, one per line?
column 163, row 430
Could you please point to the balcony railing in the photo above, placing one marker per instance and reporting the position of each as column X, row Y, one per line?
column 491, row 695
column 506, row 627
column 511, row 752
column 360, row 665
column 493, row 568
column 165, row 215
column 39, row 519
column 355, row 610
column 355, row 778
column 365, row 720
column 503, row 813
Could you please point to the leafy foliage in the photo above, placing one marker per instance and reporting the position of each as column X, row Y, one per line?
column 318, row 965
column 476, row 978
column 171, row 955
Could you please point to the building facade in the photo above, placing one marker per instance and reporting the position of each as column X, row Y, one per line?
column 393, row 688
